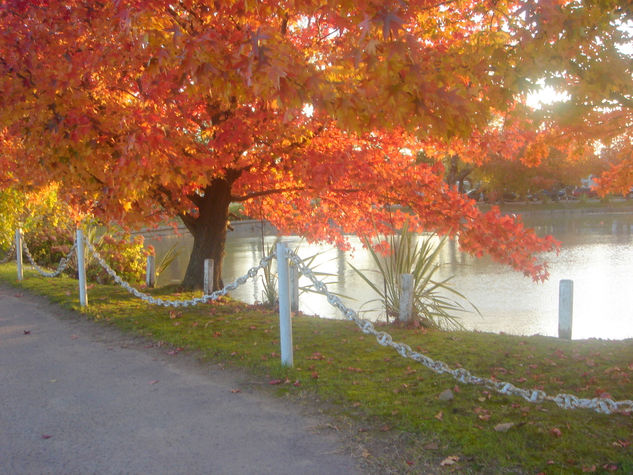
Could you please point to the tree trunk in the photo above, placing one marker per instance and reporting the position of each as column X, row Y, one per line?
column 208, row 229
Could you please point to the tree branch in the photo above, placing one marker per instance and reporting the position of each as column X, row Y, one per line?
column 188, row 220
column 257, row 194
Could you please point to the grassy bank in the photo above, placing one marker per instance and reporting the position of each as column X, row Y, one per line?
column 390, row 405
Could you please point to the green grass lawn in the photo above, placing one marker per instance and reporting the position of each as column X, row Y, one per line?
column 391, row 405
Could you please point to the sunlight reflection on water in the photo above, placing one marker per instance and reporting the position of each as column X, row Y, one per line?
column 596, row 253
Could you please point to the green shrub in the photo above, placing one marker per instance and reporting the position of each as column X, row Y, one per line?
column 125, row 254
column 48, row 227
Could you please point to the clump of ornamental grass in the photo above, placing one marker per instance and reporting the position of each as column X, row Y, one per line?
column 436, row 303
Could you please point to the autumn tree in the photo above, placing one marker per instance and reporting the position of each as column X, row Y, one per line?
column 313, row 110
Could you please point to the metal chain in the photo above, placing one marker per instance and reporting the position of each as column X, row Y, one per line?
column 9, row 254
column 565, row 401
column 180, row 303
column 63, row 263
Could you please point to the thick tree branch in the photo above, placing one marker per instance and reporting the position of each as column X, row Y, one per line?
column 257, row 194
column 188, row 220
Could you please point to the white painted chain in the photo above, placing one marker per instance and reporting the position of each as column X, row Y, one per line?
column 180, row 303
column 63, row 263
column 9, row 254
column 565, row 401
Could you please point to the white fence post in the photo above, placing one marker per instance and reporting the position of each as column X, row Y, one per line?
column 565, row 308
column 150, row 271
column 285, row 324
column 81, row 269
column 294, row 289
column 18, row 253
column 406, row 298
column 208, row 276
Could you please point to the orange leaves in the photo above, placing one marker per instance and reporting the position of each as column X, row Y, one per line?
column 138, row 106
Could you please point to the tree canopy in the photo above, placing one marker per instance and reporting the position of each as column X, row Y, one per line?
column 310, row 112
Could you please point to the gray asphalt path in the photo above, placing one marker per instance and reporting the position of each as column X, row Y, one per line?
column 78, row 398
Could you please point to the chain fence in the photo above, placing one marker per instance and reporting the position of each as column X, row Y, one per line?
column 462, row 375
column 63, row 263
column 9, row 254
column 179, row 303
column 565, row 401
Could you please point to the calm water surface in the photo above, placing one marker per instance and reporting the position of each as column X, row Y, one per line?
column 596, row 253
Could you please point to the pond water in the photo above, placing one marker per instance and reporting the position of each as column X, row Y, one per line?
column 596, row 253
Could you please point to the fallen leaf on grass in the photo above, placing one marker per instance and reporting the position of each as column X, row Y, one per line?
column 46, row 436
column 589, row 469
column 610, row 467
column 556, row 432
column 621, row 443
column 431, row 446
column 504, row 426
column 154, row 381
column 27, row 332
column 74, row 337
column 450, row 460
column 439, row 416
column 235, row 391
column 275, row 381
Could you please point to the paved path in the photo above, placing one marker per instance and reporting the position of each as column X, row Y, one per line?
column 79, row 398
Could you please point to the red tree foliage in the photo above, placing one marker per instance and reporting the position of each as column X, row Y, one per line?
column 310, row 111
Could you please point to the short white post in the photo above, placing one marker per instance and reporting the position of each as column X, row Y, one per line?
column 18, row 253
column 81, row 269
column 208, row 276
column 150, row 271
column 294, row 288
column 285, row 324
column 406, row 298
column 565, row 308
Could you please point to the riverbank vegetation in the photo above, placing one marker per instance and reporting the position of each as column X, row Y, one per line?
column 400, row 417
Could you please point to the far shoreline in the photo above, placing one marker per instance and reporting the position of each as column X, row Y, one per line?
column 252, row 227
